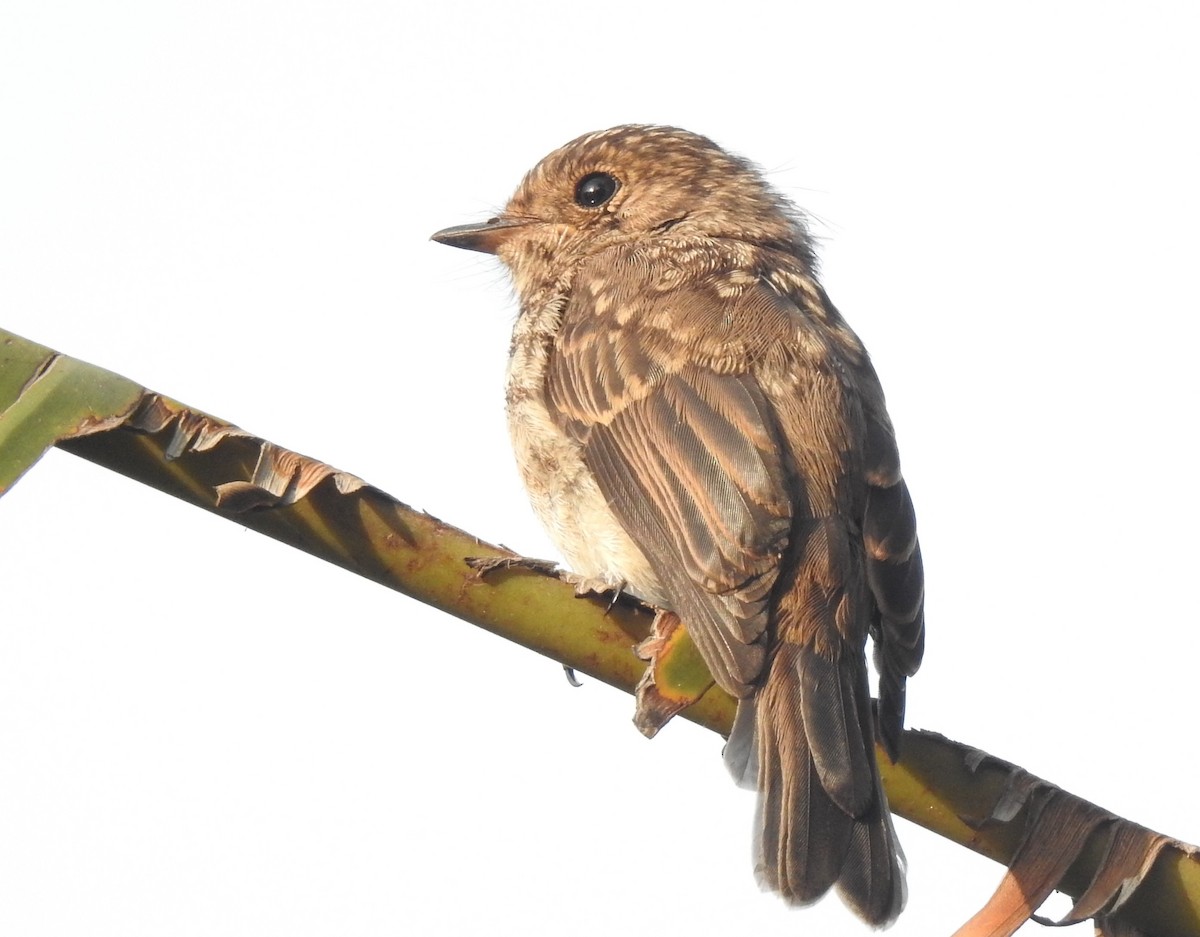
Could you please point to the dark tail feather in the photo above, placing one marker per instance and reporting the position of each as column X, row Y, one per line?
column 872, row 881
column 821, row 820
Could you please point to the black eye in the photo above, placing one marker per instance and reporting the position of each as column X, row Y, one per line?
column 595, row 189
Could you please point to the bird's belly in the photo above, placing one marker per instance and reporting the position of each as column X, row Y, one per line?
column 568, row 501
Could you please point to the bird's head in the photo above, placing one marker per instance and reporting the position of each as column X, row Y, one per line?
column 628, row 184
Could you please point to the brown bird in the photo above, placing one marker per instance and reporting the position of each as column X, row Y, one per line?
column 695, row 421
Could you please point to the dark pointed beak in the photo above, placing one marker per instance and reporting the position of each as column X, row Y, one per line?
column 486, row 237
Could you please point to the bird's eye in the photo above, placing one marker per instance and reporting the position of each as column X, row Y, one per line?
column 595, row 189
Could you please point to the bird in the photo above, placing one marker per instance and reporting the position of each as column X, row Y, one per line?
column 696, row 423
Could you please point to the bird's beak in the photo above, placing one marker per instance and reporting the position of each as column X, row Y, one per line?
column 486, row 237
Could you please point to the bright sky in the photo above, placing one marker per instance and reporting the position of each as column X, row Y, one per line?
column 205, row 732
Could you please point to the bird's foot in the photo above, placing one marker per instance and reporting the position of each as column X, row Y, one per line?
column 592, row 585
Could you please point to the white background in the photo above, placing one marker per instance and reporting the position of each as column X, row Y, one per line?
column 204, row 732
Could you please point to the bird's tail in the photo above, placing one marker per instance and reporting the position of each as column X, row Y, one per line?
column 805, row 740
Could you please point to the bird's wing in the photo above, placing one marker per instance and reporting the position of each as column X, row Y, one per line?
column 894, row 569
column 684, row 446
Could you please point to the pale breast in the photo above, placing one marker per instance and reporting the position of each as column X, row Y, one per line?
column 561, row 488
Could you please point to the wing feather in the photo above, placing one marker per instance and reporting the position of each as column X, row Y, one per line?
column 895, row 573
column 686, row 453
